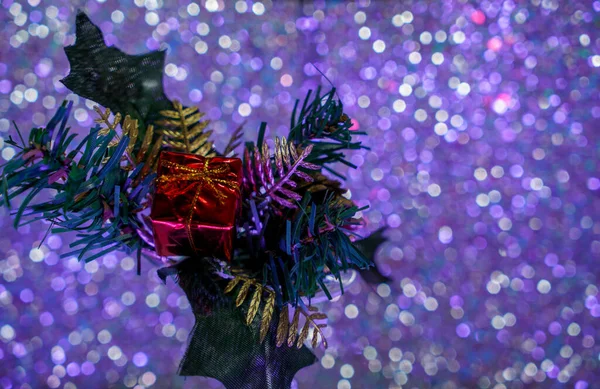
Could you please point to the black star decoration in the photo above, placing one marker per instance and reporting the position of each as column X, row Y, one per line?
column 128, row 84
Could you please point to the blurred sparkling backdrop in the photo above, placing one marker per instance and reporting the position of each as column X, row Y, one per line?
column 483, row 162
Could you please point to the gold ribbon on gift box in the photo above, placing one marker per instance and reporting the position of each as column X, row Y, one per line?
column 206, row 177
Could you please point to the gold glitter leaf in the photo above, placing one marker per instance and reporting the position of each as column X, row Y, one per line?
column 146, row 143
column 282, row 328
column 242, row 293
column 184, row 131
column 310, row 316
column 267, row 315
column 254, row 304
column 105, row 119
column 315, row 337
column 303, row 335
column 232, row 284
column 130, row 129
column 150, row 158
column 318, row 316
column 293, row 331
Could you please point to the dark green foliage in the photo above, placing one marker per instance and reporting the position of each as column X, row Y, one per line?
column 306, row 238
column 322, row 123
column 317, row 239
column 303, row 247
column 89, row 193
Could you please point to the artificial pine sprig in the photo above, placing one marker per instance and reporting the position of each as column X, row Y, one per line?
column 320, row 232
column 322, row 123
column 98, row 197
column 295, row 219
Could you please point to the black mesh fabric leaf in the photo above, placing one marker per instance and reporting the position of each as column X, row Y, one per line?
column 368, row 247
column 128, row 84
column 222, row 346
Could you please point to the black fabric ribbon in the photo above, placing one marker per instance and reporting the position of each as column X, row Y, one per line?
column 222, row 346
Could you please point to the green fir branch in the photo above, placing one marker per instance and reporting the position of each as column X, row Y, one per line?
column 321, row 122
column 95, row 195
column 296, row 221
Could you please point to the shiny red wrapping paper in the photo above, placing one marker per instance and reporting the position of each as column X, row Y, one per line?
column 195, row 205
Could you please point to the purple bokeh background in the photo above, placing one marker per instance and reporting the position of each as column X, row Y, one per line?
column 484, row 162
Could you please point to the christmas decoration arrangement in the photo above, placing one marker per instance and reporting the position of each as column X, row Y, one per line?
column 251, row 233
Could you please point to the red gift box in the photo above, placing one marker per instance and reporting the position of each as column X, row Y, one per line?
column 195, row 205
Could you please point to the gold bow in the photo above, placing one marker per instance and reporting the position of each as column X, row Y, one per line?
column 205, row 177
